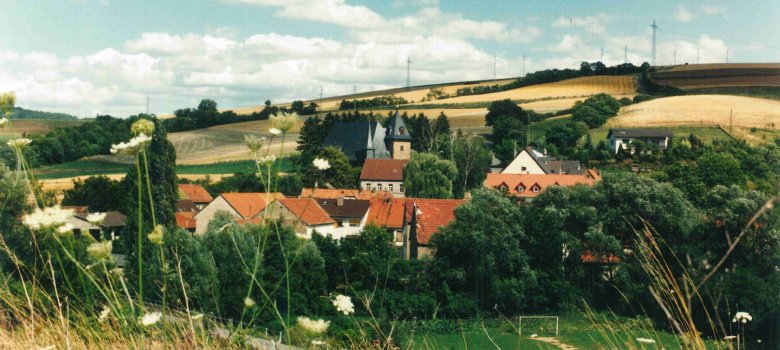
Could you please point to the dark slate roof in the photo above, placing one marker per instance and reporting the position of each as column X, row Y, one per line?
column 397, row 130
column 640, row 133
column 351, row 208
column 350, row 137
column 552, row 165
column 113, row 219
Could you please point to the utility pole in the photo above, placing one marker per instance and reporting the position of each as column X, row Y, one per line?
column 494, row 67
column 654, row 29
column 625, row 54
column 523, row 65
column 320, row 93
column 727, row 55
column 408, row 64
column 697, row 55
column 602, row 55
column 147, row 104
column 675, row 57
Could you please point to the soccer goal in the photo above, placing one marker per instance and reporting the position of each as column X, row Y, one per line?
column 527, row 318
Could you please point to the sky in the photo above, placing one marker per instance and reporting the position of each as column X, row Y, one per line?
column 89, row 57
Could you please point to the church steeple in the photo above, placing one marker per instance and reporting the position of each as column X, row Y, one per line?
column 398, row 139
column 370, row 143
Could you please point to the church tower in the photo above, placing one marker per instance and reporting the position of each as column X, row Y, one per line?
column 398, row 140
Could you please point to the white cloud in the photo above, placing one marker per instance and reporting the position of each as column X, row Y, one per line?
column 596, row 24
column 683, row 15
column 328, row 11
column 713, row 9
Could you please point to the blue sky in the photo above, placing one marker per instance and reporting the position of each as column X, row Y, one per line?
column 105, row 56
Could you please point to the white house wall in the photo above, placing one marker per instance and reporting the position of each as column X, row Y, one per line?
column 523, row 160
column 203, row 218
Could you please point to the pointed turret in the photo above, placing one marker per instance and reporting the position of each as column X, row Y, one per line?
column 370, row 143
column 398, row 139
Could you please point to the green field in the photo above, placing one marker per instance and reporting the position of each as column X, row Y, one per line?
column 575, row 330
column 706, row 133
column 100, row 167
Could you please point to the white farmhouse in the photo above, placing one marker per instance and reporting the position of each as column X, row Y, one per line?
column 621, row 138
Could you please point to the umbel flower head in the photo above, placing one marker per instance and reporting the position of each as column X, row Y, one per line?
column 156, row 236
column 267, row 160
column 313, row 326
column 645, row 340
column 742, row 317
column 284, row 121
column 150, row 319
column 321, row 164
column 249, row 302
column 275, row 131
column 3, row 122
column 7, row 102
column 100, row 250
column 96, row 218
column 254, row 143
column 142, row 126
column 51, row 217
column 344, row 304
column 19, row 144
column 135, row 145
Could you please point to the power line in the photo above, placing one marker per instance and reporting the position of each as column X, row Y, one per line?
column 655, row 27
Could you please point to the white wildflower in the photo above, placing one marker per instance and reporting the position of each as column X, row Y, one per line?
column 317, row 342
column 197, row 317
column 7, row 102
column 156, row 236
column 275, row 131
column 96, row 218
column 284, row 121
column 730, row 337
column 51, row 217
column 249, row 302
column 104, row 314
column 321, row 164
column 142, row 127
column 3, row 122
column 254, row 143
column 743, row 317
column 100, row 250
column 118, row 271
column 135, row 145
column 66, row 229
column 19, row 144
column 150, row 318
column 313, row 326
column 534, row 335
column 50, row 347
column 645, row 340
column 267, row 160
column 344, row 304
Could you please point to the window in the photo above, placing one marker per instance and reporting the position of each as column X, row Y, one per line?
column 520, row 188
column 368, row 186
column 401, row 188
column 390, row 187
column 523, row 168
column 354, row 222
column 536, row 188
column 402, row 147
column 503, row 188
column 378, row 187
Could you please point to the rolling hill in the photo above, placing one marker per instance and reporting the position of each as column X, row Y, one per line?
column 699, row 76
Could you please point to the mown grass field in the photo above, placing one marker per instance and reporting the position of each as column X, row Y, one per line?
column 575, row 331
column 35, row 126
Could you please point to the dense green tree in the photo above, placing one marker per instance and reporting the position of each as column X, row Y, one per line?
column 480, row 257
column 595, row 110
column 341, row 174
column 472, row 159
column 565, row 136
column 192, row 265
column 720, row 169
column 99, row 193
column 428, row 176
column 505, row 109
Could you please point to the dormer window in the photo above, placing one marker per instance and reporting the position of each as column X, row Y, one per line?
column 536, row 189
column 520, row 188
column 402, row 130
column 503, row 188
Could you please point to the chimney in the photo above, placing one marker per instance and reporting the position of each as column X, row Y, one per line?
column 340, row 201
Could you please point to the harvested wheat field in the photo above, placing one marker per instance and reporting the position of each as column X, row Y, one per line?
column 67, row 183
column 697, row 76
column 618, row 86
column 225, row 142
column 701, row 110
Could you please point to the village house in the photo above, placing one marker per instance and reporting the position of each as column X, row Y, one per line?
column 383, row 175
column 622, row 138
column 531, row 161
column 369, row 139
column 389, row 214
column 304, row 215
column 349, row 214
column 527, row 186
column 328, row 193
column 196, row 194
column 424, row 218
column 241, row 206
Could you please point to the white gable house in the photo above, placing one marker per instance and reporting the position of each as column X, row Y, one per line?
column 621, row 138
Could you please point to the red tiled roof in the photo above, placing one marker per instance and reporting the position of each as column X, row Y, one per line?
column 383, row 169
column 249, row 204
column 387, row 212
column 327, row 193
column 185, row 220
column 195, row 193
column 307, row 210
column 432, row 214
column 528, row 181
